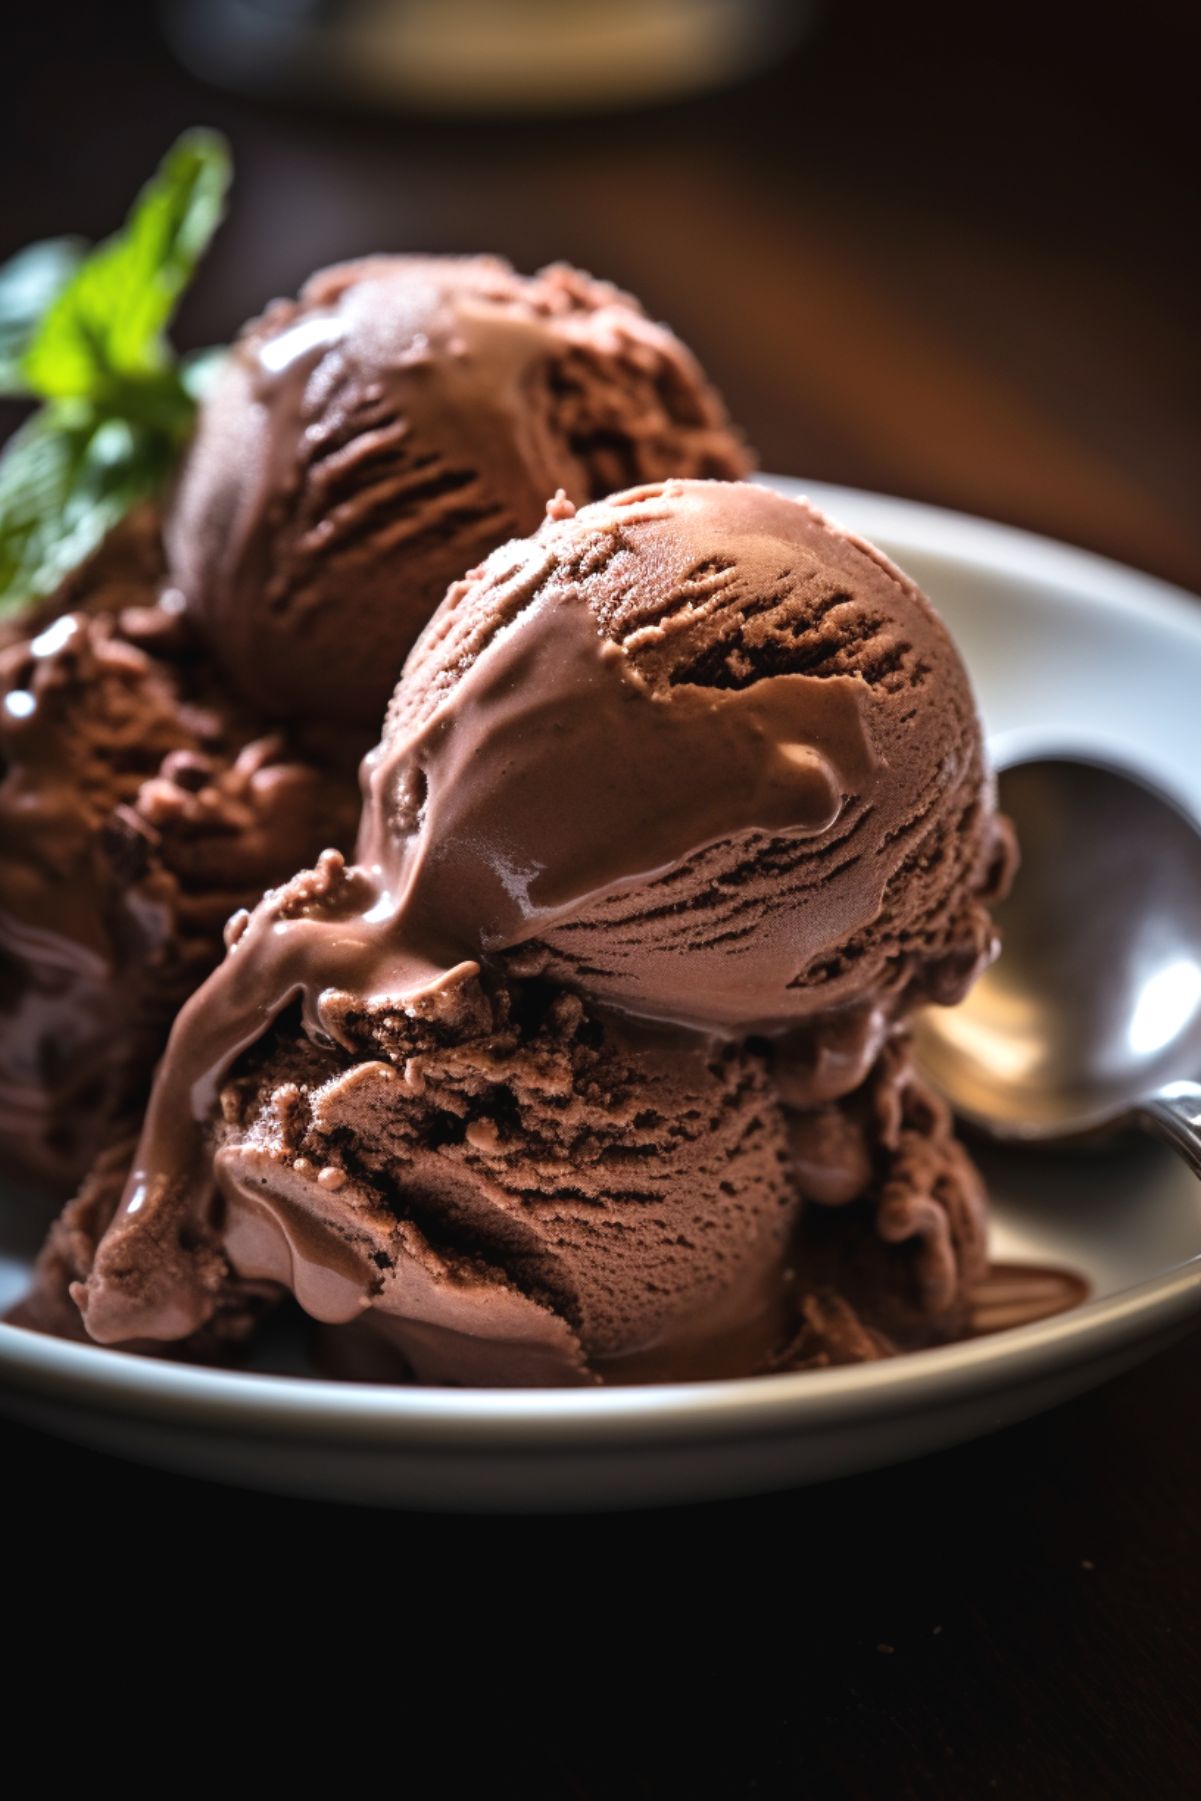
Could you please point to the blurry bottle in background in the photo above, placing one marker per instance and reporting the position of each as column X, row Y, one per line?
column 490, row 57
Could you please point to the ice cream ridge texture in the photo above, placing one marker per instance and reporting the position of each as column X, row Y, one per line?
column 180, row 724
column 593, row 1065
column 370, row 441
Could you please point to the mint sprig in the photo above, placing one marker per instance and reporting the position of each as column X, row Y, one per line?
column 62, row 489
column 29, row 282
column 84, row 331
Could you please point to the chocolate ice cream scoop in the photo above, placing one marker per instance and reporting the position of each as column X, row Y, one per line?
column 138, row 808
column 505, row 1191
column 698, row 753
column 370, row 441
column 681, row 798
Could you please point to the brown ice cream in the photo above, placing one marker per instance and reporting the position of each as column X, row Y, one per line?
column 370, row 441
column 699, row 754
column 680, row 808
column 69, row 1250
column 138, row 808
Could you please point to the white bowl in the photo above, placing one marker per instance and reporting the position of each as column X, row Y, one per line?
column 1068, row 652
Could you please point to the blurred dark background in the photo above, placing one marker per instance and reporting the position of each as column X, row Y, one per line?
column 948, row 252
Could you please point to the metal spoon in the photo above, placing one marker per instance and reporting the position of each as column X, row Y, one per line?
column 1092, row 1015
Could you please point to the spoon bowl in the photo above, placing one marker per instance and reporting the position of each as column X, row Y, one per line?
column 1093, row 1011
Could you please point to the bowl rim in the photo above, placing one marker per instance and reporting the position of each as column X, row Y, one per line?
column 750, row 1406
column 552, row 1419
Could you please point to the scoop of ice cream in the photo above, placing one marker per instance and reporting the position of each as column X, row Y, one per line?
column 699, row 754
column 371, row 440
column 513, row 1190
column 138, row 808
column 508, row 1192
column 505, row 1088
column 500, row 1186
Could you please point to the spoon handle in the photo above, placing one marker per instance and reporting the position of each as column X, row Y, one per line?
column 1174, row 1114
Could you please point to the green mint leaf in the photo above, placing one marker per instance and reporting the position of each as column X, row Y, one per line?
column 104, row 329
column 29, row 282
column 85, row 330
column 66, row 479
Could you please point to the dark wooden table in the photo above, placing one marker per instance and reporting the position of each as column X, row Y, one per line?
column 941, row 252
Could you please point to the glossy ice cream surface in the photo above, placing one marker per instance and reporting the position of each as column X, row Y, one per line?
column 699, row 754
column 679, row 809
